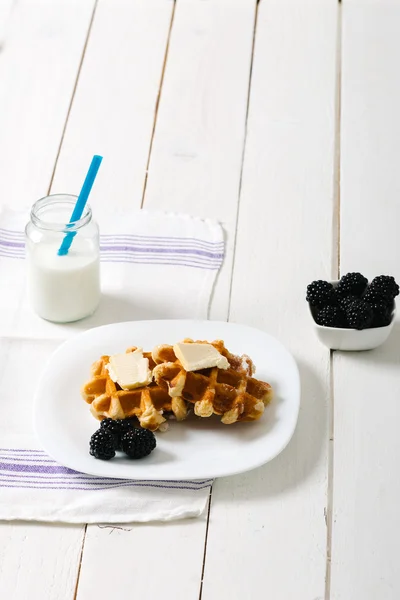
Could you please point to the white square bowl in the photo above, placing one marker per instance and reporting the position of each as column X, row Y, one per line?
column 338, row 338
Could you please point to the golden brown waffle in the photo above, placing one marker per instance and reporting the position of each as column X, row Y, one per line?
column 232, row 393
column 147, row 403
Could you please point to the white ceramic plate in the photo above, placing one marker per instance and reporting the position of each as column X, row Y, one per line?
column 193, row 449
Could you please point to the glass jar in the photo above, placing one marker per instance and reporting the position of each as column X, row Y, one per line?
column 65, row 288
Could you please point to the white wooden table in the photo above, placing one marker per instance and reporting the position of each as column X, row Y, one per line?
column 280, row 119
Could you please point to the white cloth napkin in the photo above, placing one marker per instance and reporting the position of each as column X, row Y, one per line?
column 154, row 265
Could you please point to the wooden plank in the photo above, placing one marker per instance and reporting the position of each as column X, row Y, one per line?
column 5, row 11
column 39, row 61
column 367, row 385
column 196, row 157
column 38, row 67
column 146, row 558
column 209, row 124
column 267, row 535
column 39, row 561
column 36, row 560
column 115, row 101
column 138, row 30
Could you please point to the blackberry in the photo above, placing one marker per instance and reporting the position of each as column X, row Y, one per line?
column 359, row 314
column 382, row 314
column 126, row 425
column 112, row 427
column 382, row 320
column 346, row 301
column 386, row 286
column 138, row 443
column 331, row 316
column 352, row 284
column 320, row 293
column 102, row 445
column 374, row 296
column 117, row 428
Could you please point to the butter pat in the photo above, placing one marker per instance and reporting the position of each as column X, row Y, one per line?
column 130, row 370
column 194, row 357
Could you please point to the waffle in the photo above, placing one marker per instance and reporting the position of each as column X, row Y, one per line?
column 147, row 403
column 232, row 393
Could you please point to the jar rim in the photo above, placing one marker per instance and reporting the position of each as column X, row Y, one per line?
column 53, row 199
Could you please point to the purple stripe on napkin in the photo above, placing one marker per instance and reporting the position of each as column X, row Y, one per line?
column 39, row 460
column 92, row 479
column 19, row 451
column 127, row 259
column 153, row 240
column 29, row 468
column 33, row 474
column 12, row 244
column 147, row 250
column 125, row 248
column 155, row 250
column 13, row 484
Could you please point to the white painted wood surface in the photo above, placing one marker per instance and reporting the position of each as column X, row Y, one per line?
column 44, row 43
column 197, row 149
column 150, row 560
column 175, row 99
column 39, row 62
column 273, row 518
column 36, row 560
column 114, row 105
column 5, row 12
column 366, row 488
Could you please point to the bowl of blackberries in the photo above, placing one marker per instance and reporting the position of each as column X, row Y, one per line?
column 352, row 313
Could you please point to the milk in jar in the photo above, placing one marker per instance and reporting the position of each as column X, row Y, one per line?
column 65, row 288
